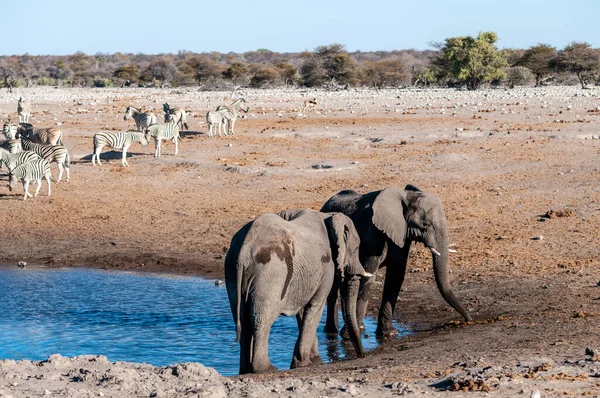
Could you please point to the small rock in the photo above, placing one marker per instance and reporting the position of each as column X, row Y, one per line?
column 47, row 392
column 22, row 264
column 322, row 166
column 229, row 145
column 539, row 237
column 536, row 394
column 589, row 351
column 218, row 282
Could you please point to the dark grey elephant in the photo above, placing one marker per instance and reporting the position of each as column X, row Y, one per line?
column 275, row 266
column 388, row 221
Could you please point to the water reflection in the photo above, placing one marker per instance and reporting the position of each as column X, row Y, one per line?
column 155, row 319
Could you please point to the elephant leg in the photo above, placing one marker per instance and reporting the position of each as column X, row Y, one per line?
column 245, row 347
column 261, row 328
column 308, row 322
column 331, row 323
column 395, row 264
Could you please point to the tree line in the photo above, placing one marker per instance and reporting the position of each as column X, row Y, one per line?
column 465, row 61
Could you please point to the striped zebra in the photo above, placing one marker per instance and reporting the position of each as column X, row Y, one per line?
column 30, row 171
column 159, row 132
column 117, row 140
column 228, row 116
column 143, row 120
column 52, row 153
column 24, row 110
column 214, row 118
column 234, row 109
column 12, row 160
column 10, row 130
column 12, row 146
column 177, row 114
column 45, row 136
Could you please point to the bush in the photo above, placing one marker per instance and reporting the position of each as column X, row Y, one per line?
column 518, row 76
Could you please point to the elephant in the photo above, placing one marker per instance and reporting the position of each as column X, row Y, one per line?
column 285, row 264
column 388, row 221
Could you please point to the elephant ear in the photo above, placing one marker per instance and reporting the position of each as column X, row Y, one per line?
column 290, row 214
column 388, row 214
column 337, row 228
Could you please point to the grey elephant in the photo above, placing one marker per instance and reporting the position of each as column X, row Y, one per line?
column 286, row 264
column 388, row 221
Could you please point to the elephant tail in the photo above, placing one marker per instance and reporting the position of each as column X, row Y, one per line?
column 238, row 321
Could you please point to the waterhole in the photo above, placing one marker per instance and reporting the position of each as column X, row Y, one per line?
column 156, row 319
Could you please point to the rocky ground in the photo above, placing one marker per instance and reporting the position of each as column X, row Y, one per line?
column 515, row 169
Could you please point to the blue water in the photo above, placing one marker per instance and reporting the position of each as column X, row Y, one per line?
column 156, row 319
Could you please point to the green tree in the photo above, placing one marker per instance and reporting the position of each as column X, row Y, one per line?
column 387, row 72
column 237, row 73
column 471, row 61
column 287, row 72
column 538, row 59
column 128, row 72
column 579, row 58
column 201, row 67
column 336, row 62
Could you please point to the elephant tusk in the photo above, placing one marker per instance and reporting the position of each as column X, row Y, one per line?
column 452, row 251
column 437, row 253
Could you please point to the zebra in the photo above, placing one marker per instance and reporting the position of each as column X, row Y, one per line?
column 143, row 120
column 30, row 171
column 12, row 160
column 234, row 109
column 12, row 146
column 214, row 118
column 177, row 114
column 45, row 136
column 52, row 153
column 117, row 140
column 159, row 132
column 228, row 117
column 24, row 111
column 10, row 131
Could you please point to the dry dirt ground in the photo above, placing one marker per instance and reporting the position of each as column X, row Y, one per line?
column 515, row 169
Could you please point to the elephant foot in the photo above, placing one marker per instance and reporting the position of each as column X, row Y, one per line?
column 266, row 368
column 330, row 330
column 386, row 331
column 316, row 360
column 297, row 363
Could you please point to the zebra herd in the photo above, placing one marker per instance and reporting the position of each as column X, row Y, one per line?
column 28, row 151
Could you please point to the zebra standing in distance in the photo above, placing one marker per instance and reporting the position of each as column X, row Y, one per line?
column 30, row 171
column 24, row 110
column 214, row 118
column 143, row 120
column 235, row 109
column 117, row 140
column 159, row 132
column 45, row 136
column 228, row 117
column 12, row 160
column 177, row 114
column 52, row 153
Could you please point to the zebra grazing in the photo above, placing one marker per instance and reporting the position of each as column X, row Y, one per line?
column 116, row 140
column 12, row 146
column 214, row 118
column 159, row 132
column 24, row 111
column 177, row 114
column 234, row 109
column 30, row 171
column 52, row 153
column 143, row 120
column 45, row 136
column 10, row 131
column 12, row 160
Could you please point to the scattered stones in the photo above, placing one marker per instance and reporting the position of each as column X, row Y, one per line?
column 558, row 213
column 322, row 166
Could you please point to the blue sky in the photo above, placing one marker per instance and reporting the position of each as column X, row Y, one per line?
column 65, row 26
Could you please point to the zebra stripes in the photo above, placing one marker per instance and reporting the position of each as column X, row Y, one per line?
column 116, row 140
column 12, row 160
column 24, row 111
column 45, row 136
column 159, row 132
column 214, row 118
column 231, row 112
column 10, row 130
column 143, row 120
column 12, row 146
column 175, row 114
column 30, row 171
column 51, row 153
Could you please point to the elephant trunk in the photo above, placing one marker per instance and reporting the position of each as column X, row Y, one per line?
column 439, row 251
column 349, row 296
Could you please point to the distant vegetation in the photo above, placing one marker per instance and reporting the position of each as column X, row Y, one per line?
column 466, row 61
